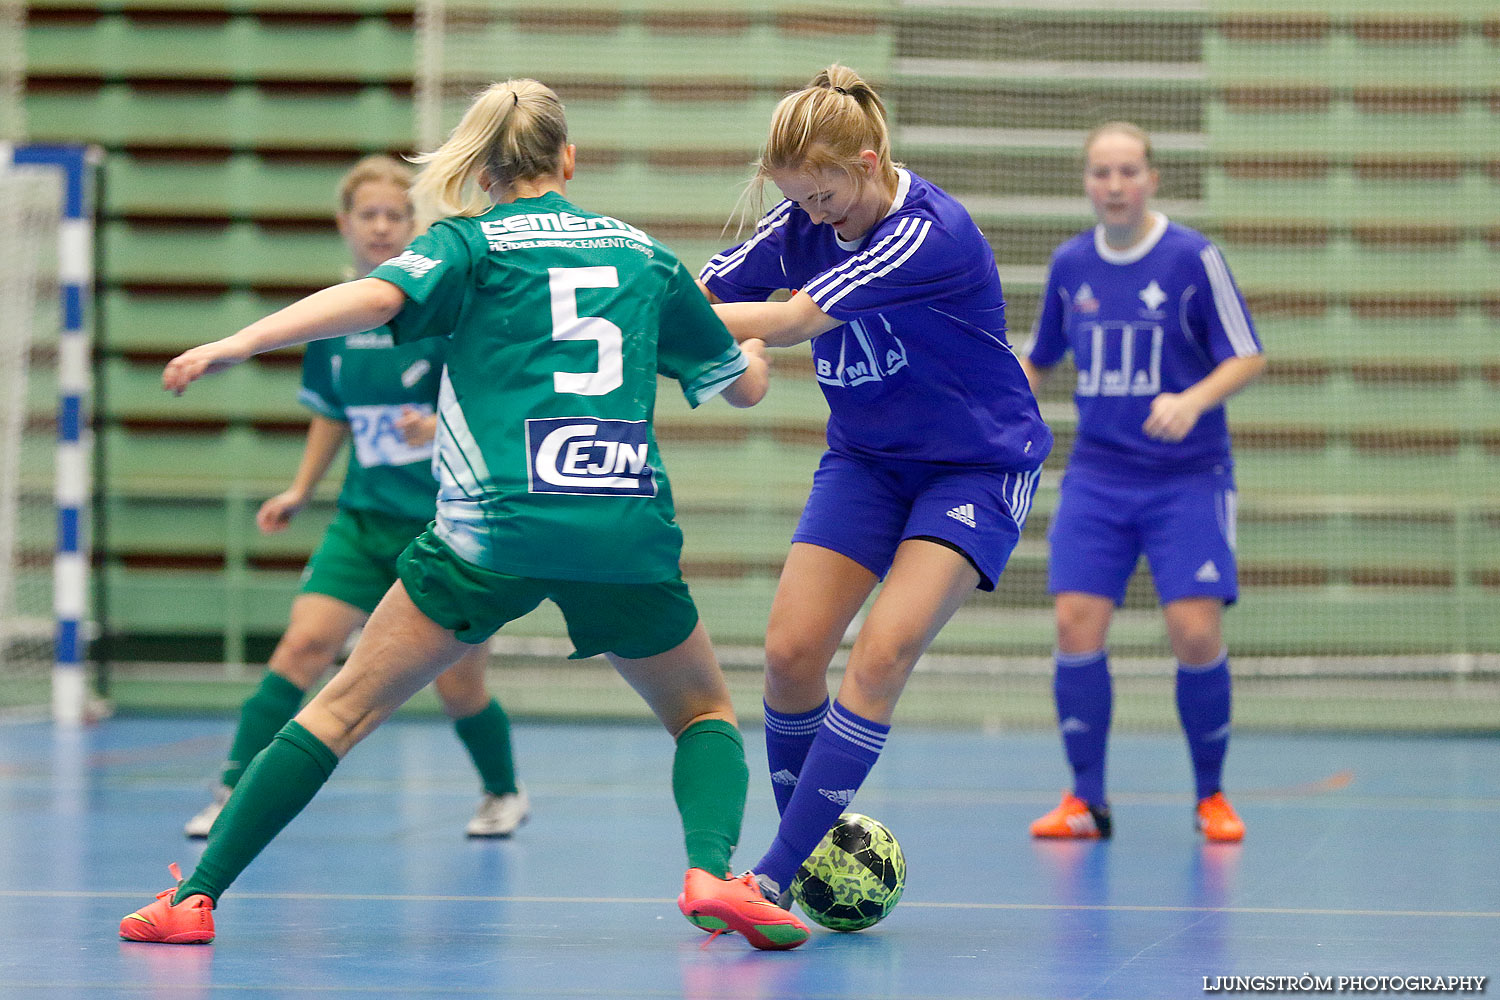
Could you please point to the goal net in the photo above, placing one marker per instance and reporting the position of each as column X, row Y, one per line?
column 1341, row 154
column 29, row 199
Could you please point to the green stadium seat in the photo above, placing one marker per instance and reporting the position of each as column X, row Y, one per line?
column 203, row 44
column 256, row 391
column 157, row 318
column 222, row 183
column 154, row 250
column 218, row 115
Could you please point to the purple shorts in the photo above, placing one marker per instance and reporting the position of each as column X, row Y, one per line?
column 863, row 511
column 1184, row 525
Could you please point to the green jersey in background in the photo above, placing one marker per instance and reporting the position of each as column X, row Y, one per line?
column 366, row 380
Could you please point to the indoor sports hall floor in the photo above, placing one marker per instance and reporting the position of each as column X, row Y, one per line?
column 1367, row 856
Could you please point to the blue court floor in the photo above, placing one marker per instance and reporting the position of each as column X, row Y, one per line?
column 1366, row 856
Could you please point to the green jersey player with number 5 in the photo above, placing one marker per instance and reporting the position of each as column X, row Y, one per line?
column 551, row 488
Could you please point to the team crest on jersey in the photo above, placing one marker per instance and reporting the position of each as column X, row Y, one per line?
column 589, row 456
column 1153, row 297
column 1084, row 301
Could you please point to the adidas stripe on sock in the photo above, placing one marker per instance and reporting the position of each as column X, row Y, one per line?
column 843, row 751
column 788, row 738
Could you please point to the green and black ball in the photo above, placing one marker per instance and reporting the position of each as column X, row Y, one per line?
column 854, row 877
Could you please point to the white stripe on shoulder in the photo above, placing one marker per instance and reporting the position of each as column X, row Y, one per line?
column 839, row 272
column 892, row 259
column 1227, row 302
column 721, row 264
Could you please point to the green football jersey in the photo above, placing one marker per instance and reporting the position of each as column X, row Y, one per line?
column 365, row 380
column 561, row 320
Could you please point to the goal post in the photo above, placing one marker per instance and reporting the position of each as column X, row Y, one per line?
column 46, row 241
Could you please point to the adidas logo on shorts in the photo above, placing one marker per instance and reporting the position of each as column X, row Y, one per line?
column 964, row 512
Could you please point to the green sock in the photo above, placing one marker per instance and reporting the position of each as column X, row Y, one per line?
column 486, row 735
column 262, row 715
column 709, row 782
column 278, row 784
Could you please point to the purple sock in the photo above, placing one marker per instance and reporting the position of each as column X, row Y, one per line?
column 1085, row 702
column 788, row 738
column 842, row 753
column 1203, row 698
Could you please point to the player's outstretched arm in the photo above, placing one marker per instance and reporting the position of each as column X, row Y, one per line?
column 750, row 388
column 324, row 438
column 353, row 307
column 779, row 324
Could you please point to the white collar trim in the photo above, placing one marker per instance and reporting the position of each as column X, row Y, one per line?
column 903, row 186
column 1131, row 254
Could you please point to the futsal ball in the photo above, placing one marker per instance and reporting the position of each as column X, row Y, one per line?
column 854, row 877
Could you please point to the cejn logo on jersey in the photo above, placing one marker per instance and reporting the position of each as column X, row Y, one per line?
column 589, row 456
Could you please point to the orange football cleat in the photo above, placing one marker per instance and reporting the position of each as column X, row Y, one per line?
column 736, row 904
column 1218, row 821
column 1074, row 819
column 168, row 922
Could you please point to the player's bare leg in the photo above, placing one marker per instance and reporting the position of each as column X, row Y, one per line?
column 819, row 594
column 1082, row 621
column 400, row 652
column 926, row 585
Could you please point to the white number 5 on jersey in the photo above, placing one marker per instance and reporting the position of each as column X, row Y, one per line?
column 564, row 283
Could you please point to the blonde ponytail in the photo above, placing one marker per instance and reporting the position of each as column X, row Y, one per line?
column 512, row 131
column 824, row 126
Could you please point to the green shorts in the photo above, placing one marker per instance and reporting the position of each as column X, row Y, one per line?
column 356, row 561
column 632, row 620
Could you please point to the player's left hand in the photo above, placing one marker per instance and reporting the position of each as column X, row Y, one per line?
column 1172, row 417
column 415, row 426
column 189, row 366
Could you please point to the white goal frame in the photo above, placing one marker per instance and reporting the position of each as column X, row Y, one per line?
column 73, row 483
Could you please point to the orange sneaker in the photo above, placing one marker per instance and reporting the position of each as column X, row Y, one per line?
column 1218, row 821
column 736, row 904
column 1074, row 819
column 167, row 922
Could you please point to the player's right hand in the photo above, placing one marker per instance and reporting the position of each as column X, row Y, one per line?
column 276, row 513
column 189, row 366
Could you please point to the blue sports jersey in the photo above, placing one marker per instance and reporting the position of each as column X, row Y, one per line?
column 1156, row 318
column 920, row 370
